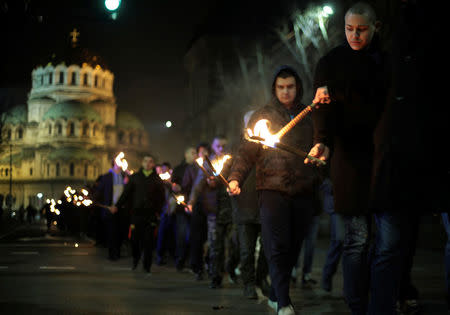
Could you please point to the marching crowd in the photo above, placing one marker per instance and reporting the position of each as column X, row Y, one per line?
column 272, row 199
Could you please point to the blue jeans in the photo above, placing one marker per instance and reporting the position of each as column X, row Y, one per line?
column 337, row 231
column 378, row 274
column 446, row 222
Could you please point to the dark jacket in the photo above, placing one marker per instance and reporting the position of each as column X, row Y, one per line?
column 246, row 209
column 214, row 200
column 358, row 84
column 275, row 169
column 146, row 194
column 104, row 189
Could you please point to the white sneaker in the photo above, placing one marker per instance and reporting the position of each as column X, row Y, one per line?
column 272, row 304
column 287, row 310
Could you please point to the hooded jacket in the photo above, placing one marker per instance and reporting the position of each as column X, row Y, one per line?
column 275, row 169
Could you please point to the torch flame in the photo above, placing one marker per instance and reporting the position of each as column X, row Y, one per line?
column 121, row 162
column 165, row 176
column 262, row 130
column 219, row 163
column 199, row 161
column 180, row 199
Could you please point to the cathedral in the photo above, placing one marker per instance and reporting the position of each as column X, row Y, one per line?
column 69, row 131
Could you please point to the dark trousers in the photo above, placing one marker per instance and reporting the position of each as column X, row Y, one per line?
column 334, row 251
column 198, row 238
column 284, row 222
column 248, row 236
column 222, row 235
column 112, row 234
column 166, row 236
column 182, row 237
column 142, row 241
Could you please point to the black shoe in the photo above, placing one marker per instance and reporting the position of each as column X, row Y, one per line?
column 215, row 284
column 199, row 276
column 308, row 282
column 409, row 307
column 179, row 267
column 250, row 292
column 232, row 278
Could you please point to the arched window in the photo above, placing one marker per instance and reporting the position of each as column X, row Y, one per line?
column 73, row 80
column 61, row 77
column 121, row 136
column 131, row 138
column 8, row 134
column 49, row 129
column 94, row 130
column 71, row 169
column 85, row 79
column 1, row 172
column 58, row 127
column 50, row 78
column 85, row 129
column 42, row 79
column 20, row 133
column 6, row 171
column 57, row 169
column 96, row 80
column 71, row 129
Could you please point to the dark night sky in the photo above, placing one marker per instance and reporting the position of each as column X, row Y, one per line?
column 143, row 47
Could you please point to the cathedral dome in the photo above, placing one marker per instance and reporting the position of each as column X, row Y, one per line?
column 126, row 120
column 16, row 115
column 72, row 109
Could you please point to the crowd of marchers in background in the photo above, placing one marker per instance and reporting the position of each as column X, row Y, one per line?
column 249, row 223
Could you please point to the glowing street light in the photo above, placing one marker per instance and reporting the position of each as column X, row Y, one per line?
column 168, row 124
column 327, row 10
column 112, row 5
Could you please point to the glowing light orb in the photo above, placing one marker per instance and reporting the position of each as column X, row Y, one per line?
column 112, row 5
column 168, row 124
column 327, row 10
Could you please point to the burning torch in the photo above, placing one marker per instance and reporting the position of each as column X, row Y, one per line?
column 262, row 135
column 217, row 167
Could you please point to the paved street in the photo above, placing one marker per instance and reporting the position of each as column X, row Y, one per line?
column 42, row 274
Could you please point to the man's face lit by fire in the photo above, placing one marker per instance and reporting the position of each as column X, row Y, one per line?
column 286, row 90
column 148, row 163
column 219, row 146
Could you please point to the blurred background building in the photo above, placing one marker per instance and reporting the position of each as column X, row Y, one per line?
column 69, row 130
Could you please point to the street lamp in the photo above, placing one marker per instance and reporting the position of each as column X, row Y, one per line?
column 327, row 10
column 113, row 7
column 168, row 124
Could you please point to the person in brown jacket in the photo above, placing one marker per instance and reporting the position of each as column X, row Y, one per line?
column 285, row 185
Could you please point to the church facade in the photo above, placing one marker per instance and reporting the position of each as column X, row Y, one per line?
column 68, row 133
